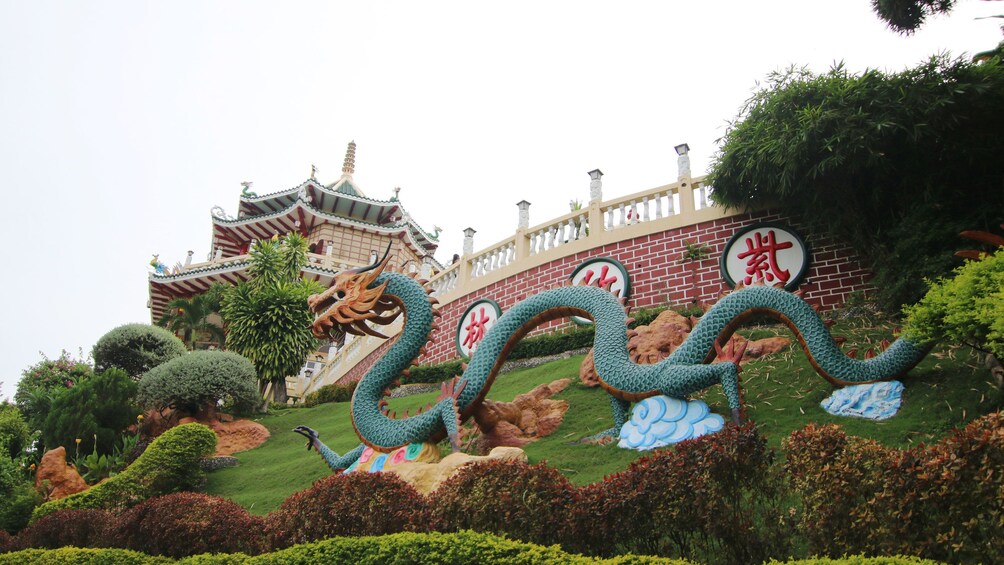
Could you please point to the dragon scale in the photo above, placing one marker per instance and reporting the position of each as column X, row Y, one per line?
column 682, row 373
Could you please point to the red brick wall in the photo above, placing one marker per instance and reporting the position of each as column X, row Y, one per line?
column 658, row 278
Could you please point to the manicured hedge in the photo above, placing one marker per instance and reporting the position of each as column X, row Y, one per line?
column 531, row 503
column 331, row 393
column 354, row 504
column 188, row 523
column 170, row 464
column 69, row 527
column 942, row 501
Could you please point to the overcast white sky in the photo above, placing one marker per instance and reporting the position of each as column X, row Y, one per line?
column 123, row 123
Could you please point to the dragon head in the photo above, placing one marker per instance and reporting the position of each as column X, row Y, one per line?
column 350, row 304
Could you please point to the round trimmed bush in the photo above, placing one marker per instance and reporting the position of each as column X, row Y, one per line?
column 528, row 502
column 136, row 348
column 79, row 528
column 201, row 378
column 353, row 504
column 6, row 542
column 188, row 523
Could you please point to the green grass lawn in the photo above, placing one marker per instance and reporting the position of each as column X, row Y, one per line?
column 782, row 393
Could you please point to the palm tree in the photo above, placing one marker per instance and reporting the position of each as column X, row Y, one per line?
column 190, row 316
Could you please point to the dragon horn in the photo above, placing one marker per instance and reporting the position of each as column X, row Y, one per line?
column 375, row 264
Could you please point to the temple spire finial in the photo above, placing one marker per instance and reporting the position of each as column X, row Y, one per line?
column 349, row 166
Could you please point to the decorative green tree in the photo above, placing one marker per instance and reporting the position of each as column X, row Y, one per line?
column 896, row 165
column 968, row 308
column 43, row 381
column 96, row 410
column 267, row 316
column 190, row 316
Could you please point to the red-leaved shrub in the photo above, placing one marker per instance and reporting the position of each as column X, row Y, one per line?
column 943, row 502
column 353, row 504
column 715, row 498
column 526, row 502
column 186, row 523
column 7, row 542
column 78, row 528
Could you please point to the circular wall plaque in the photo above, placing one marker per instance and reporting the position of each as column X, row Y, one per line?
column 479, row 317
column 602, row 271
column 769, row 253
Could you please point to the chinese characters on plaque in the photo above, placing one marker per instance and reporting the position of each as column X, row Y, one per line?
column 765, row 254
column 604, row 273
column 475, row 323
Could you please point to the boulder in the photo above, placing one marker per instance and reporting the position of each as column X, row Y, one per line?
column 528, row 417
column 63, row 478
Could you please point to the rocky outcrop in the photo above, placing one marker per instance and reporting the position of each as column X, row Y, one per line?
column 58, row 478
column 528, row 417
column 653, row 343
column 232, row 436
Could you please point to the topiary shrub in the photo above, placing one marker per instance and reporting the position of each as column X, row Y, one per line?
column 199, row 379
column 331, row 393
column 714, row 499
column 136, row 348
column 99, row 407
column 353, row 504
column 528, row 502
column 79, row 528
column 169, row 464
column 7, row 543
column 939, row 502
column 187, row 523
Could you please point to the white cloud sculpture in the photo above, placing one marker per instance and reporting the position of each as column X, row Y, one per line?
column 661, row 420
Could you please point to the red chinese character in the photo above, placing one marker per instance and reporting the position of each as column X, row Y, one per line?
column 476, row 329
column 601, row 281
column 762, row 263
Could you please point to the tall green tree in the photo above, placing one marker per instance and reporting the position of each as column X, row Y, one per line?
column 190, row 316
column 267, row 316
column 894, row 164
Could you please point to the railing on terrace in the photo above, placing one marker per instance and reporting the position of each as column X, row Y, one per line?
column 685, row 202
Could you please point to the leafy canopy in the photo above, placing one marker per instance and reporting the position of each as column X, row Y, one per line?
column 97, row 409
column 267, row 316
column 968, row 308
column 190, row 316
column 894, row 164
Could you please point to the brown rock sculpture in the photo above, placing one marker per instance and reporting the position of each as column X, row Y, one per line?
column 426, row 477
column 59, row 478
column 528, row 417
column 653, row 343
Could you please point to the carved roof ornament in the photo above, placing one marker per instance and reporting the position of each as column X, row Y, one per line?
column 349, row 166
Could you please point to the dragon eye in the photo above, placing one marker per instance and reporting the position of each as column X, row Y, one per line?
column 340, row 294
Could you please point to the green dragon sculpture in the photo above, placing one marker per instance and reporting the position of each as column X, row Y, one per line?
column 368, row 295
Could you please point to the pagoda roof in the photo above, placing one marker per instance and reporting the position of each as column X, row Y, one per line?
column 312, row 205
column 166, row 287
column 342, row 198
